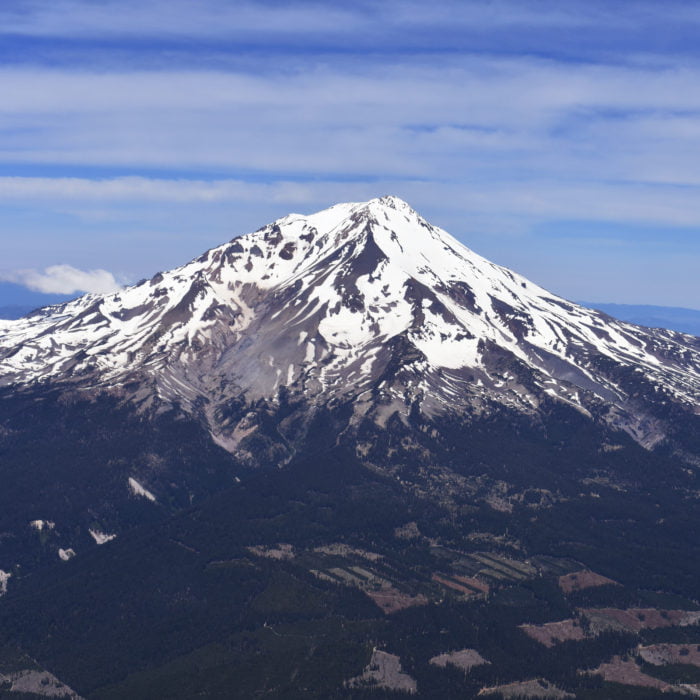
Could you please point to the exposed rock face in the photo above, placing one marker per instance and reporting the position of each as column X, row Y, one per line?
column 34, row 682
column 384, row 671
column 464, row 659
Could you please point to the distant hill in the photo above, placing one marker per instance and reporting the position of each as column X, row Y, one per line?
column 15, row 311
column 671, row 317
column 16, row 300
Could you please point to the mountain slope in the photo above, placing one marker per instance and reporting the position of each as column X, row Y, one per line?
column 361, row 302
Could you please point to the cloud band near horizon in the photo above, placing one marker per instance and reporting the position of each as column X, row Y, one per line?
column 64, row 279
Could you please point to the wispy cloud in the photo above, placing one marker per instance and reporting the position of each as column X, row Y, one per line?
column 184, row 18
column 213, row 18
column 330, row 23
column 141, row 189
column 64, row 279
column 135, row 119
column 447, row 120
column 534, row 200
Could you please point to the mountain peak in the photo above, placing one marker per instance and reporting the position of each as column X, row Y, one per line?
column 388, row 206
column 392, row 202
column 345, row 214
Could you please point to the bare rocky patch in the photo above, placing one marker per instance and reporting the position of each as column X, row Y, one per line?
column 475, row 583
column 579, row 580
column 343, row 550
column 662, row 654
column 593, row 621
column 384, row 671
column 453, row 585
column 35, row 682
column 391, row 600
column 626, row 672
column 538, row 688
column 409, row 531
column 637, row 619
column 281, row 551
column 464, row 659
column 552, row 633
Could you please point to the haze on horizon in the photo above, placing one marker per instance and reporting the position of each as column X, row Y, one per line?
column 558, row 140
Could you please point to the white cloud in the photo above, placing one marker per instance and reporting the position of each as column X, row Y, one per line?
column 64, row 279
column 142, row 189
column 472, row 118
column 219, row 18
column 531, row 200
column 395, row 22
column 212, row 18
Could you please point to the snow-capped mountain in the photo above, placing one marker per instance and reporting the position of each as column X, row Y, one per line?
column 364, row 303
column 235, row 473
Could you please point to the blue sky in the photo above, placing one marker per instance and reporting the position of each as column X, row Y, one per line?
column 559, row 138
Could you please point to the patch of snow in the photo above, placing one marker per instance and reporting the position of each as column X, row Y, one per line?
column 139, row 490
column 4, row 578
column 42, row 525
column 101, row 537
column 66, row 554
